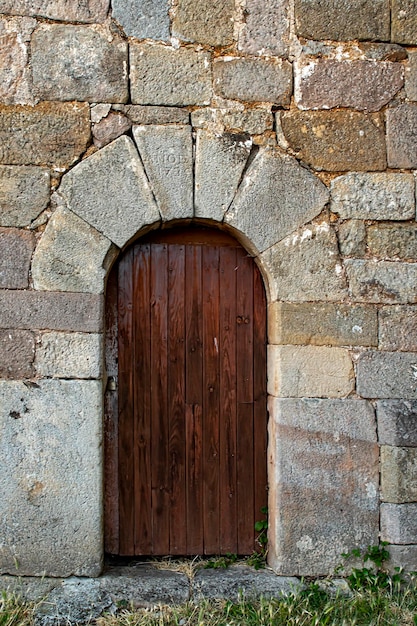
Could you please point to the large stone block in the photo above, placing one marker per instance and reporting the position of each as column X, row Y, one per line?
column 167, row 155
column 51, row 133
column 138, row 114
column 398, row 474
column 342, row 21
column 399, row 523
column 362, row 84
column 219, row 164
column 305, row 266
column 53, row 310
column 398, row 328
column 16, row 248
column 17, row 352
column 110, row 191
column 404, row 22
column 253, row 80
column 322, row 324
column 382, row 281
column 397, row 422
column 50, row 484
column 79, row 63
column 336, row 140
column 15, row 79
column 404, row 557
column 69, row 355
column 352, row 238
column 286, row 196
column 387, row 375
column 24, row 193
column 411, row 76
column 252, row 121
column 74, row 11
column 387, row 241
column 143, row 18
column 210, row 23
column 309, row 371
column 324, row 463
column 373, row 196
column 166, row 76
column 401, row 136
column 266, row 28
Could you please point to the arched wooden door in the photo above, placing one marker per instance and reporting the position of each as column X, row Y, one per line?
column 186, row 420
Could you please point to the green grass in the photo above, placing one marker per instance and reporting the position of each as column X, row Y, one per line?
column 13, row 612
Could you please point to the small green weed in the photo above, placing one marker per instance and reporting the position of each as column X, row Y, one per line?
column 372, row 575
column 221, row 562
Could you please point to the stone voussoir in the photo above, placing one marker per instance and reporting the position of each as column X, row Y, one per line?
column 16, row 249
column 143, row 18
column 386, row 282
column 387, row 375
column 24, row 193
column 397, row 422
column 75, row 11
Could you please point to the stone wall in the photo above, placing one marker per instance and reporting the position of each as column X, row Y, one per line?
column 292, row 123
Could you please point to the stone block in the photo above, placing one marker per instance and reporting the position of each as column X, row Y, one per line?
column 387, row 241
column 51, row 310
column 17, row 352
column 322, row 324
column 324, row 463
column 69, row 355
column 398, row 328
column 401, row 136
column 253, row 80
column 74, row 601
column 79, row 63
column 75, row 11
column 266, row 28
column 110, row 191
column 70, row 256
column 286, row 196
column 219, row 164
column 336, row 140
column 143, row 18
column 16, row 248
column 15, row 79
column 210, row 23
column 166, row 76
column 382, row 281
column 50, row 133
column 397, row 422
column 309, row 371
column 155, row 115
column 167, row 156
column 361, row 84
column 28, row 588
column 145, row 584
column 343, row 21
column 404, row 557
column 24, row 193
column 398, row 474
column 305, row 266
column 411, row 75
column 109, row 128
column 373, row 196
column 404, row 22
column 50, row 490
column 399, row 523
column 387, row 375
column 352, row 238
column 251, row 121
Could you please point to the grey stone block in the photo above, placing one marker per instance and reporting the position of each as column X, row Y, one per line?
column 398, row 474
column 324, row 457
column 404, row 22
column 155, row 115
column 373, row 196
column 109, row 128
column 79, row 63
column 401, row 136
column 15, row 77
column 69, row 355
column 144, row 584
column 219, row 164
column 404, row 557
column 360, row 84
column 166, row 76
column 253, row 80
column 389, row 241
column 70, row 256
column 382, row 281
column 399, row 523
column 387, row 375
column 398, row 328
column 17, row 352
column 252, row 121
column 322, row 324
column 143, row 18
column 305, row 266
column 28, row 588
column 50, row 133
column 24, row 193
column 397, row 422
column 411, row 76
column 75, row 11
column 16, row 248
column 286, row 196
column 352, row 238
column 266, row 28
column 53, row 310
column 205, row 22
column 50, row 490
column 110, row 191
column 167, row 155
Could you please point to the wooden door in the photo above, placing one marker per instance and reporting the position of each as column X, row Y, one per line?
column 186, row 420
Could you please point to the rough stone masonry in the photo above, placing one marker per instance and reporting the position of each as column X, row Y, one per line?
column 292, row 124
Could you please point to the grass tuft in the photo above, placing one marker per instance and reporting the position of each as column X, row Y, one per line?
column 14, row 612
